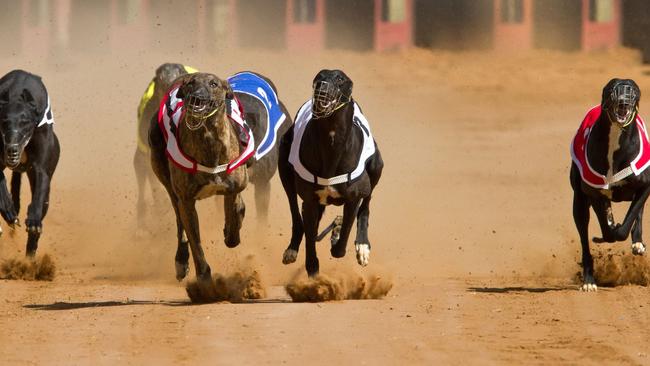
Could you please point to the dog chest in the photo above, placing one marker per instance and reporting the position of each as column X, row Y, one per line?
column 210, row 189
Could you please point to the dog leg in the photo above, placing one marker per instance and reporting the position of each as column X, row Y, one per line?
column 141, row 207
column 288, row 183
column 190, row 220
column 638, row 248
column 603, row 209
column 262, row 196
column 7, row 210
column 16, row 180
column 350, row 210
column 581, row 218
column 39, row 182
column 182, row 258
column 310, row 215
column 621, row 231
column 362, row 243
column 234, row 210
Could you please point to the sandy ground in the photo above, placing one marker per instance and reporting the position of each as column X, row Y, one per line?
column 471, row 223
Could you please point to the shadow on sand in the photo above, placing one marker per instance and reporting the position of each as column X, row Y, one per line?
column 515, row 289
column 99, row 304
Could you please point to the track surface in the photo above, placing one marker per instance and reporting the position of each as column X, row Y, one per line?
column 471, row 221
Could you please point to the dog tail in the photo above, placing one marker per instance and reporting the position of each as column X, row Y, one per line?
column 15, row 190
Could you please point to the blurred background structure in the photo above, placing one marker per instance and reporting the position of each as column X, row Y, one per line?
column 308, row 25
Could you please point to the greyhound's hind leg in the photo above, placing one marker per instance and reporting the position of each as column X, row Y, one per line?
column 603, row 209
column 285, row 170
column 350, row 210
column 638, row 248
column 262, row 197
column 139, row 164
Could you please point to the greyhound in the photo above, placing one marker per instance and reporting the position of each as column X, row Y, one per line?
column 148, row 107
column 610, row 154
column 196, row 153
column 330, row 138
column 269, row 120
column 29, row 146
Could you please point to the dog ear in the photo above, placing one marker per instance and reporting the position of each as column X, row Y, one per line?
column 230, row 94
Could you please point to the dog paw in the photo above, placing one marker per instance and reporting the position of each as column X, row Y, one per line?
column 589, row 287
column 289, row 256
column 182, row 269
column 10, row 217
column 34, row 226
column 638, row 248
column 363, row 253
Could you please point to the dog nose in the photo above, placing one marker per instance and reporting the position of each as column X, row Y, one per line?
column 201, row 93
column 12, row 151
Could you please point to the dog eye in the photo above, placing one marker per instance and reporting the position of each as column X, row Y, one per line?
column 213, row 84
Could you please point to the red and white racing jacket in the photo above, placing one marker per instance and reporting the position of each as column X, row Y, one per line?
column 579, row 153
column 171, row 113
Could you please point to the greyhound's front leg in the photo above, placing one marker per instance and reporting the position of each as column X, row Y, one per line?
column 7, row 209
column 234, row 210
column 349, row 213
column 39, row 181
column 621, row 231
column 310, row 218
column 190, row 221
column 638, row 248
column 362, row 243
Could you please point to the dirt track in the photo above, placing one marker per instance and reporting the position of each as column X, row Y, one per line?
column 471, row 222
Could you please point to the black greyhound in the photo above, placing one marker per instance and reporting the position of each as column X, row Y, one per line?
column 610, row 155
column 29, row 146
column 148, row 107
column 204, row 158
column 330, row 138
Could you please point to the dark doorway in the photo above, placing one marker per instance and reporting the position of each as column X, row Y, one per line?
column 262, row 23
column 454, row 24
column 349, row 24
column 557, row 24
column 636, row 26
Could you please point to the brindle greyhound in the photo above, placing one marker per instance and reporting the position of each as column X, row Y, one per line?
column 205, row 134
column 610, row 154
column 30, row 146
column 149, row 104
column 332, row 146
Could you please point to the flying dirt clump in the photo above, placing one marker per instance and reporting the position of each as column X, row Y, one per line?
column 617, row 267
column 239, row 286
column 37, row 269
column 343, row 287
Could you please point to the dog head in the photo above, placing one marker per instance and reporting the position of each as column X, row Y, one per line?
column 18, row 119
column 620, row 101
column 331, row 90
column 203, row 95
column 167, row 73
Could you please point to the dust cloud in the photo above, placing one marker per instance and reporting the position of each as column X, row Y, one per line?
column 338, row 287
column 41, row 268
